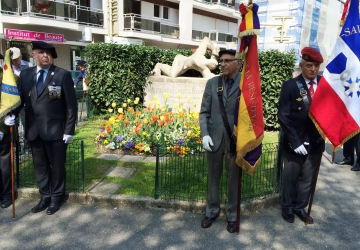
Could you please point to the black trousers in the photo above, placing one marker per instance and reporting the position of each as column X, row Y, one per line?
column 5, row 170
column 49, row 159
column 298, row 178
column 348, row 149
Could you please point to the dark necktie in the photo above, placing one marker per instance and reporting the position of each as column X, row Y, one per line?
column 229, row 84
column 40, row 81
column 311, row 89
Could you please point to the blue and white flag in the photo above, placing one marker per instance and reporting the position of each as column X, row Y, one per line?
column 335, row 108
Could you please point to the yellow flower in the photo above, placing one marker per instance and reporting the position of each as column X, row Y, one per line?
column 146, row 121
column 124, row 105
column 106, row 141
column 128, row 100
column 149, row 103
column 162, row 118
column 112, row 120
column 110, row 110
column 180, row 110
column 166, row 95
column 188, row 98
column 176, row 106
column 157, row 106
column 179, row 95
column 137, row 99
column 113, row 104
column 120, row 110
column 155, row 98
column 181, row 103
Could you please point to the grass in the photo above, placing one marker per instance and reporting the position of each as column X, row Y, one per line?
column 142, row 181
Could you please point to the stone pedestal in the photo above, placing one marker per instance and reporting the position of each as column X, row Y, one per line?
column 191, row 90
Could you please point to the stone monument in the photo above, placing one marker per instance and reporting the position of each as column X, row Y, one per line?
column 182, row 91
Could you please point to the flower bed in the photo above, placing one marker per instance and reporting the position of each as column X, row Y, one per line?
column 137, row 130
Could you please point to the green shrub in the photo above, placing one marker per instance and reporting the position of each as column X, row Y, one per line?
column 119, row 72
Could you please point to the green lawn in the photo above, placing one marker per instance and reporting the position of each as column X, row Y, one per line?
column 141, row 183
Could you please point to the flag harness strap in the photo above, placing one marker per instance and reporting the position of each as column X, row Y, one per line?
column 303, row 94
column 219, row 91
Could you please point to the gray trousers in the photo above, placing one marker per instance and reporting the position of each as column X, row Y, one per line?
column 215, row 168
column 298, row 177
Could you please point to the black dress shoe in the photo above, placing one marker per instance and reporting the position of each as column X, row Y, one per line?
column 288, row 214
column 55, row 205
column 6, row 202
column 302, row 215
column 42, row 205
column 344, row 162
column 231, row 226
column 207, row 221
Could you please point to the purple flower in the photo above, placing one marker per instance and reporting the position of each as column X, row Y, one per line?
column 181, row 142
column 128, row 145
column 119, row 138
column 102, row 130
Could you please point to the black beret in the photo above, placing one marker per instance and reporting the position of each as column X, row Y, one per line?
column 44, row 46
column 227, row 51
column 310, row 54
column 81, row 63
column 1, row 56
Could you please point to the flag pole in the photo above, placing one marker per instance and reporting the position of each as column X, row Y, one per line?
column 239, row 202
column 314, row 184
column 12, row 169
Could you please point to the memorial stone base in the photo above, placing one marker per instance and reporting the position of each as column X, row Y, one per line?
column 186, row 90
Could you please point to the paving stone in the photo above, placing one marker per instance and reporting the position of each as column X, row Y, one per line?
column 132, row 158
column 149, row 159
column 104, row 188
column 122, row 172
column 110, row 156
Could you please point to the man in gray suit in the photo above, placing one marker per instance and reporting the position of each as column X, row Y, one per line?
column 216, row 139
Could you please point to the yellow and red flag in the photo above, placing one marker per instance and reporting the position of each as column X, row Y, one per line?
column 10, row 97
column 249, row 119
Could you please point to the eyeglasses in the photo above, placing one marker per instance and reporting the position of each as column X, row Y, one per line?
column 226, row 61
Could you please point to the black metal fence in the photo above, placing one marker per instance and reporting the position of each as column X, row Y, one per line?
column 24, row 170
column 185, row 178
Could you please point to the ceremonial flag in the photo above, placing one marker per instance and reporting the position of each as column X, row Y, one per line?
column 10, row 97
column 335, row 108
column 249, row 121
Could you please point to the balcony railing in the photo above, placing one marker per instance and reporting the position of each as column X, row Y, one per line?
column 214, row 35
column 151, row 25
column 66, row 10
column 227, row 3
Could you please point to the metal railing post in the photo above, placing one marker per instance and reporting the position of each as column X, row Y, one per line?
column 82, row 166
column 156, row 195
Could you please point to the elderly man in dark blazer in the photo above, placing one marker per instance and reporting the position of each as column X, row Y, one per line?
column 47, row 91
column 217, row 141
column 302, row 145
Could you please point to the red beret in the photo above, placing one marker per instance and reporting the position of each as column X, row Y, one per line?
column 311, row 55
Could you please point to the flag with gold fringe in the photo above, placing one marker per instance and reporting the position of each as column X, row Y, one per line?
column 335, row 105
column 249, row 121
column 10, row 97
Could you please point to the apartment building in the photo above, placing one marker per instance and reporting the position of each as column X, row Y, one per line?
column 69, row 25
column 72, row 24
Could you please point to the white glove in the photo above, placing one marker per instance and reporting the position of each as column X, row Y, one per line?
column 301, row 150
column 9, row 120
column 207, row 142
column 1, row 135
column 67, row 138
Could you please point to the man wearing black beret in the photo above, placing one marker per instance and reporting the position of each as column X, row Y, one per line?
column 216, row 138
column 302, row 144
column 50, row 114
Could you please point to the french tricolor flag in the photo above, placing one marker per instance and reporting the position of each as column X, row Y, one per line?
column 335, row 108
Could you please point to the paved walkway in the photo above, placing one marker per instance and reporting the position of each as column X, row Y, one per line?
column 120, row 222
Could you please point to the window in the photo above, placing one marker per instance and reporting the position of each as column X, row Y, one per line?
column 156, row 10
column 165, row 12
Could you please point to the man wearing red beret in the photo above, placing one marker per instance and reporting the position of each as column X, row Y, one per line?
column 302, row 143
